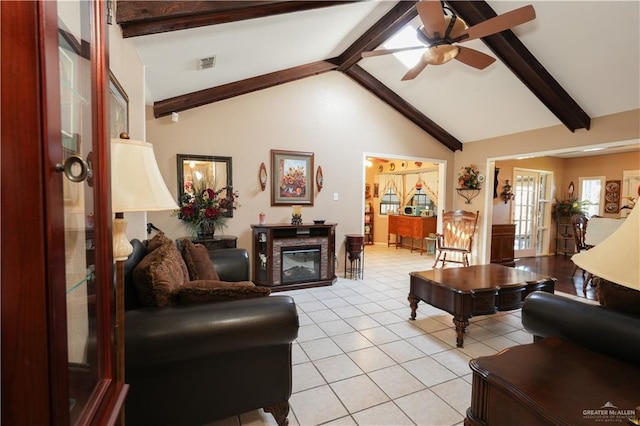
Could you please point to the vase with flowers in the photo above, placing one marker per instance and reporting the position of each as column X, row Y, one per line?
column 470, row 177
column 203, row 210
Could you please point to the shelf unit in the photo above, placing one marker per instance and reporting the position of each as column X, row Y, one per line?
column 565, row 241
column 368, row 224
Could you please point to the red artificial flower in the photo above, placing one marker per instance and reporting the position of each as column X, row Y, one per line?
column 187, row 211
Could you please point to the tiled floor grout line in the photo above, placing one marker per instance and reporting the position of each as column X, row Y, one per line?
column 358, row 332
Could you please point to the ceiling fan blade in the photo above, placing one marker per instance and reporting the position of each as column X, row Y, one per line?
column 432, row 17
column 501, row 22
column 413, row 72
column 474, row 58
column 389, row 51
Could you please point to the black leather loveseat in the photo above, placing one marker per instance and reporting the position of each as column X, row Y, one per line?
column 193, row 364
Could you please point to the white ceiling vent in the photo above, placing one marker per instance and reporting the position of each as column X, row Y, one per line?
column 206, row 63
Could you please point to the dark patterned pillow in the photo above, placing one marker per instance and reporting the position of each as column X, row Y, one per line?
column 158, row 241
column 158, row 275
column 199, row 265
column 203, row 291
column 617, row 297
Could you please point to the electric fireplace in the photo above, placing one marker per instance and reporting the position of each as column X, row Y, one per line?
column 294, row 256
column 300, row 264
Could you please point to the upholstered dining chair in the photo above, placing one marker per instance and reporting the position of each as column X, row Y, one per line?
column 458, row 229
column 579, row 233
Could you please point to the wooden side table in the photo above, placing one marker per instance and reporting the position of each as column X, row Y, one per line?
column 354, row 253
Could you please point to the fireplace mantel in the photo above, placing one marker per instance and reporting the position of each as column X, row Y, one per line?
column 279, row 250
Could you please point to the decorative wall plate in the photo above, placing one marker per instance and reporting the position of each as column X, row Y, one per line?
column 262, row 176
column 611, row 207
column 403, row 165
column 612, row 186
column 380, row 168
column 319, row 178
column 612, row 197
column 392, row 166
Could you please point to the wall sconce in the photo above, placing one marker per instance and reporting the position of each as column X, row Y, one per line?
column 468, row 193
column 506, row 195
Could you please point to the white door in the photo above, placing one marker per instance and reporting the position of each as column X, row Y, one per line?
column 528, row 211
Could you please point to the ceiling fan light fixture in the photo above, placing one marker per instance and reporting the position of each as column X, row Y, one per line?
column 439, row 55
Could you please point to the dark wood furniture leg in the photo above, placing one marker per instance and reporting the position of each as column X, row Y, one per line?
column 413, row 303
column 280, row 412
column 461, row 324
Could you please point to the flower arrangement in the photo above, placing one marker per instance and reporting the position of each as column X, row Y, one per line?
column 293, row 182
column 203, row 210
column 469, row 177
column 567, row 208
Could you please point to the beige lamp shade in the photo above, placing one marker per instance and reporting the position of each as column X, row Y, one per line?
column 136, row 182
column 617, row 258
column 136, row 186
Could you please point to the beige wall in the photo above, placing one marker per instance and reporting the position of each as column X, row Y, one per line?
column 328, row 114
column 621, row 127
column 337, row 120
column 126, row 66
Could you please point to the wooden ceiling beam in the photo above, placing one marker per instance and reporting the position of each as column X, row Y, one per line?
column 525, row 66
column 225, row 91
column 370, row 83
column 137, row 18
column 381, row 31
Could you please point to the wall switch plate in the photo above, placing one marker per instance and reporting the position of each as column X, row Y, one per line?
column 335, row 196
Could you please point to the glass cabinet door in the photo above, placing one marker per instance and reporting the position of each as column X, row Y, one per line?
column 77, row 135
column 88, row 272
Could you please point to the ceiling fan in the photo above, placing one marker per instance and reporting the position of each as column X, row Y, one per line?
column 441, row 30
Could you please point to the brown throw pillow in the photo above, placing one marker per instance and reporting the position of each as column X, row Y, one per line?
column 158, row 240
column 199, row 265
column 617, row 297
column 202, row 291
column 158, row 275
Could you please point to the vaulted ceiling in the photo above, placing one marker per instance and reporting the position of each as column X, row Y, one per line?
column 583, row 60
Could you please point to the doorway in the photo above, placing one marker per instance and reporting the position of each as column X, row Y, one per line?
column 411, row 178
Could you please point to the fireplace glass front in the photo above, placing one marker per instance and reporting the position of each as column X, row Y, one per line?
column 300, row 264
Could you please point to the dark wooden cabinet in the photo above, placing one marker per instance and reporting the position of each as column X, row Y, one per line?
column 59, row 363
column 289, row 256
column 502, row 243
column 415, row 228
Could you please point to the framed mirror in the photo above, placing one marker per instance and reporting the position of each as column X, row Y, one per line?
column 199, row 172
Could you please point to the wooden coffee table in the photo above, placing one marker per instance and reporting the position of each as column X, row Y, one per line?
column 474, row 290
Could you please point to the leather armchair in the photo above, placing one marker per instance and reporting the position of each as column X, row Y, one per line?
column 193, row 364
column 609, row 332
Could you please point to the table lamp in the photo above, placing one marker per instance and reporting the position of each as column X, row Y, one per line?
column 136, row 186
column 615, row 259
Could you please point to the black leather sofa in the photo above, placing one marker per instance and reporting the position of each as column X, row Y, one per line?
column 194, row 364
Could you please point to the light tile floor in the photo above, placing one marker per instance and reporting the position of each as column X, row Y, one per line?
column 359, row 360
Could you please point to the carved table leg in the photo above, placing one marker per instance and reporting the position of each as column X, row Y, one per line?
column 280, row 412
column 461, row 324
column 413, row 302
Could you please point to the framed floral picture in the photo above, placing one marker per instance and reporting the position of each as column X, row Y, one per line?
column 292, row 181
